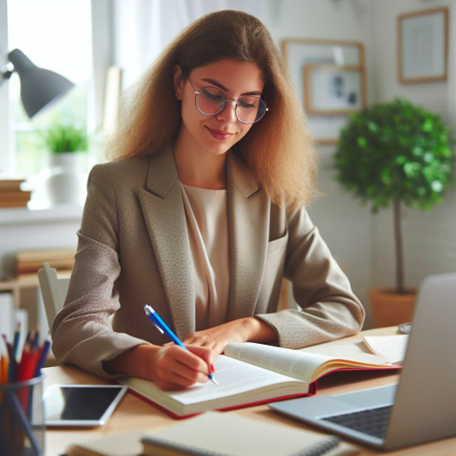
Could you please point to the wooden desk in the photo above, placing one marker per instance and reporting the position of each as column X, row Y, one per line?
column 134, row 414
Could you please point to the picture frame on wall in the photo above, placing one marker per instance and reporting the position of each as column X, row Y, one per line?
column 333, row 90
column 422, row 38
column 300, row 53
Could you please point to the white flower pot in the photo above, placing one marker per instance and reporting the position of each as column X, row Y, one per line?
column 65, row 184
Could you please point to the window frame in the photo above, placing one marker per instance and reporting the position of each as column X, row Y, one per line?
column 101, row 46
column 6, row 152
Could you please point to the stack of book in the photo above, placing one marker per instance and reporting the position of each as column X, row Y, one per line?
column 11, row 194
column 30, row 261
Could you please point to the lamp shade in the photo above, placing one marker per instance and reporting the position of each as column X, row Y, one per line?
column 39, row 87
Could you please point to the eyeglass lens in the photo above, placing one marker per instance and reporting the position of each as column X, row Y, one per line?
column 211, row 101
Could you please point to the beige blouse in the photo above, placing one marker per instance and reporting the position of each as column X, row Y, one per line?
column 207, row 221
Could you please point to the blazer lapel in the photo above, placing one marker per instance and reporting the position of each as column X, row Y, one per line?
column 164, row 214
column 248, row 218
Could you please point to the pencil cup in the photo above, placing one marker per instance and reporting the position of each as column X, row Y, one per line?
column 22, row 418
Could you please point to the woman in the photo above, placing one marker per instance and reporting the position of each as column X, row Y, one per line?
column 201, row 215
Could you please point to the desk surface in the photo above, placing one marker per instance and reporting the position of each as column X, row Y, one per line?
column 135, row 414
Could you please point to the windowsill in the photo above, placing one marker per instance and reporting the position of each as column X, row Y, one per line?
column 29, row 215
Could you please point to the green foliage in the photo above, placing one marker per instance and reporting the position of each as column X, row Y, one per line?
column 395, row 151
column 60, row 138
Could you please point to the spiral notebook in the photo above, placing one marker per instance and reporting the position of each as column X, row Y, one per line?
column 217, row 434
column 228, row 434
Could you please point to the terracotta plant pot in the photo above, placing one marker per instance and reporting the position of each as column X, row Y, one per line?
column 391, row 309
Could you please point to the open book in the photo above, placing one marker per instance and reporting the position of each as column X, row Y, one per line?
column 251, row 374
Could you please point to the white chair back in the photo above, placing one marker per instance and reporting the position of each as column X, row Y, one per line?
column 53, row 290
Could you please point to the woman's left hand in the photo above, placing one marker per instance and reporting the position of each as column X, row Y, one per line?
column 242, row 330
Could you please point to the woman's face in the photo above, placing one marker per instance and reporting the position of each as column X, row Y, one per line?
column 235, row 79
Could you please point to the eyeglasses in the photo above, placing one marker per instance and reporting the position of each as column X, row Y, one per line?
column 211, row 100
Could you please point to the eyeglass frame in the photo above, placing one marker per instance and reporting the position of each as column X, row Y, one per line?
column 236, row 102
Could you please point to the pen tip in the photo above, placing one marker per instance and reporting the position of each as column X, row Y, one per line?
column 214, row 380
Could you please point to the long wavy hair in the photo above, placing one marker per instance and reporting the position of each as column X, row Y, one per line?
column 278, row 150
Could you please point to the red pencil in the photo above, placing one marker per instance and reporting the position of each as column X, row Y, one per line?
column 35, row 355
column 22, row 372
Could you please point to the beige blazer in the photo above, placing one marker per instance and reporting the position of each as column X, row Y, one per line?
column 133, row 249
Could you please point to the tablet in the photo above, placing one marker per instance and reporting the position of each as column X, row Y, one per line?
column 81, row 405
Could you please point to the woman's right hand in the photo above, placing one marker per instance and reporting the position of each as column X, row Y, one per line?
column 170, row 367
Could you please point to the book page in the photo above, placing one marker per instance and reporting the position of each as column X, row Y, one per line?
column 233, row 377
column 392, row 347
column 292, row 363
column 353, row 350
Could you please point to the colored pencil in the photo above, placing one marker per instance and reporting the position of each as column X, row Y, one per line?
column 17, row 336
column 12, row 361
column 36, row 338
column 43, row 354
column 15, row 418
column 22, row 372
column 4, row 362
column 4, row 365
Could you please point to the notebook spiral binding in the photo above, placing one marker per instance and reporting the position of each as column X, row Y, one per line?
column 190, row 450
column 318, row 449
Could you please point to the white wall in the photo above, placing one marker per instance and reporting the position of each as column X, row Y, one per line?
column 429, row 237
column 344, row 225
column 19, row 230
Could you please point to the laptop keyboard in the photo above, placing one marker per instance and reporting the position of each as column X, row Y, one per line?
column 373, row 422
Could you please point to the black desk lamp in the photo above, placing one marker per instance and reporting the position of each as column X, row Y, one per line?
column 39, row 87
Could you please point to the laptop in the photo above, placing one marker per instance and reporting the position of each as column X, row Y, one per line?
column 422, row 406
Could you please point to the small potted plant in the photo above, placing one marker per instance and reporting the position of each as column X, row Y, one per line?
column 395, row 153
column 67, row 146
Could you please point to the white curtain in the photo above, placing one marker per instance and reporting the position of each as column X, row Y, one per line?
column 142, row 28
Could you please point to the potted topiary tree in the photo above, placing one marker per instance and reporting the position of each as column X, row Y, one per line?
column 68, row 146
column 395, row 153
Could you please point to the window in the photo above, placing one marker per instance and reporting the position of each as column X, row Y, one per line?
column 56, row 35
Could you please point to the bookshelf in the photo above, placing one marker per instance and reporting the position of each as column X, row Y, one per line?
column 23, row 282
column 24, row 290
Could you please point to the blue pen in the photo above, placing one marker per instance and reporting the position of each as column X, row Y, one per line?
column 164, row 329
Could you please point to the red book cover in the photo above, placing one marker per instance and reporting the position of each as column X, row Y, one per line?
column 312, row 391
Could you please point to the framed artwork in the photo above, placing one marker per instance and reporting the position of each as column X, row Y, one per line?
column 301, row 53
column 422, row 38
column 333, row 90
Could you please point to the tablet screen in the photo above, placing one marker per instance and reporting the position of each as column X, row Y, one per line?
column 85, row 404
